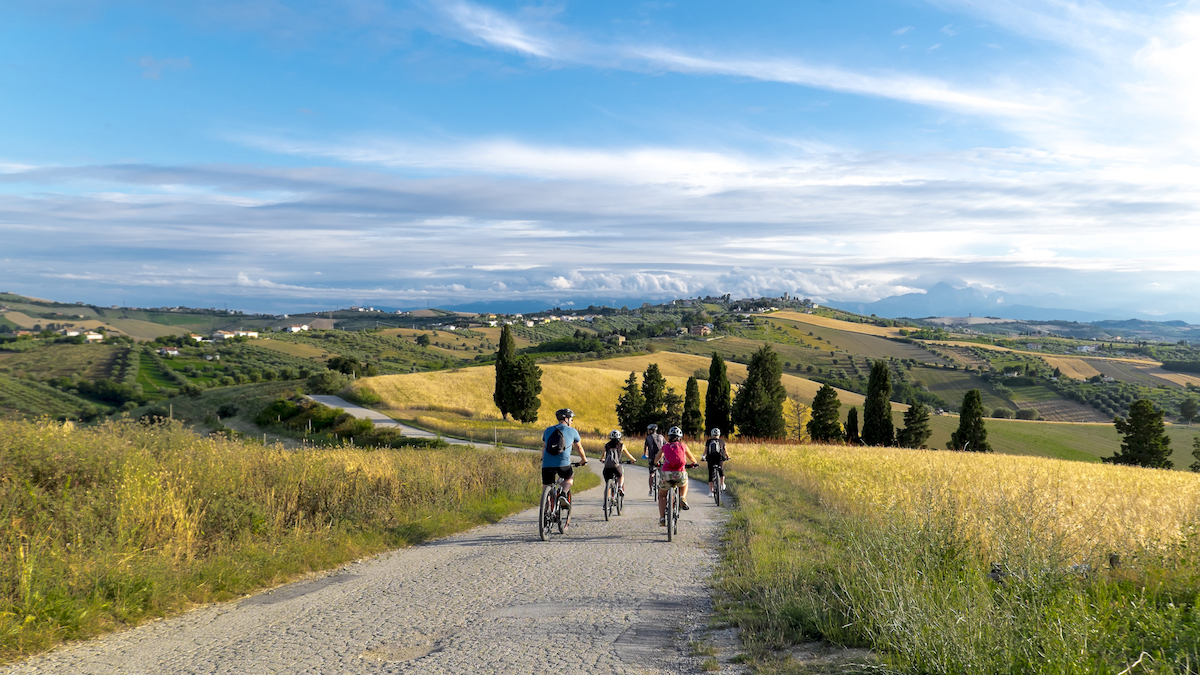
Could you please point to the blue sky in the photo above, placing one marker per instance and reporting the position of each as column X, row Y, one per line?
column 268, row 154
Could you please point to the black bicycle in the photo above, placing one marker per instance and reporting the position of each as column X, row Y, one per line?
column 551, row 514
column 673, row 502
column 613, row 497
column 718, row 474
column 654, row 482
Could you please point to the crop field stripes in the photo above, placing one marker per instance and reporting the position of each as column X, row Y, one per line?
column 34, row 398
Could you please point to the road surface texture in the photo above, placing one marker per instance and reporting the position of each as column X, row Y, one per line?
column 606, row 597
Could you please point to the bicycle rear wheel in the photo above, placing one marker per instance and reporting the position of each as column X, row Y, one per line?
column 672, row 497
column 717, row 494
column 608, row 498
column 620, row 501
column 545, row 512
column 564, row 517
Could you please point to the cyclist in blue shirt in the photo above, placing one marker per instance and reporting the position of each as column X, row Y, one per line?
column 554, row 466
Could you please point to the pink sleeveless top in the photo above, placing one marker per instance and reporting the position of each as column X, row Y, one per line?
column 673, row 456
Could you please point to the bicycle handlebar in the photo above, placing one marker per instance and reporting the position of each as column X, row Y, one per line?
column 578, row 463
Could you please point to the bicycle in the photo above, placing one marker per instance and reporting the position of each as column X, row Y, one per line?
column 550, row 513
column 653, row 481
column 672, row 510
column 719, row 476
column 613, row 497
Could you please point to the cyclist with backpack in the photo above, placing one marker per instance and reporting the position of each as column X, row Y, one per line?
column 559, row 440
column 614, row 451
column 651, row 448
column 715, row 455
column 674, row 460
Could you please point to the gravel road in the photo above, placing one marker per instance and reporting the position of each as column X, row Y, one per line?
column 380, row 419
column 607, row 597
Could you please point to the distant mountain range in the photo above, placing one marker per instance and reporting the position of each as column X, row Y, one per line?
column 945, row 300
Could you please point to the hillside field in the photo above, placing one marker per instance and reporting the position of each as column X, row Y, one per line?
column 837, row 324
column 960, row 562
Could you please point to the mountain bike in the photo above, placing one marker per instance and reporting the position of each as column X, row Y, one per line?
column 672, row 510
column 552, row 515
column 613, row 497
column 719, row 477
column 654, row 482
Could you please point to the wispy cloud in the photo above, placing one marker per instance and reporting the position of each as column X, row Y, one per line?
column 152, row 68
column 485, row 26
column 489, row 27
column 902, row 31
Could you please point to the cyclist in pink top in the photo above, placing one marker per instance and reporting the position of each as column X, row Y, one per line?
column 674, row 460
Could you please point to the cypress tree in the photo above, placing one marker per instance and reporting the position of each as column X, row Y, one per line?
column 824, row 426
column 852, row 427
column 971, row 434
column 654, row 394
column 1145, row 442
column 693, row 419
column 916, row 426
column 758, row 406
column 526, row 386
column 718, row 400
column 505, row 355
column 631, row 407
column 1195, row 467
column 877, row 411
column 673, row 415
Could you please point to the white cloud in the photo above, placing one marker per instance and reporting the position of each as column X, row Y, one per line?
column 902, row 31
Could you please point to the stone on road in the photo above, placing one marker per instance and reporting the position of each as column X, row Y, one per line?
column 606, row 597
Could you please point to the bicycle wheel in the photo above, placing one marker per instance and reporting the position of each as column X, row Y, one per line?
column 564, row 517
column 654, row 488
column 672, row 496
column 545, row 512
column 608, row 501
column 620, row 501
column 717, row 493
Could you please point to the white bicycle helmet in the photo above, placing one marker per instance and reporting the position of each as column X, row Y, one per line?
column 615, row 435
column 674, row 433
column 715, row 433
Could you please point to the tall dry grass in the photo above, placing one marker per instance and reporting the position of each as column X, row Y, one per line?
column 954, row 562
column 108, row 525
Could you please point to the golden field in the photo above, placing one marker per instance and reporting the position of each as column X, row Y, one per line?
column 943, row 562
column 591, row 392
column 826, row 322
column 1001, row 501
column 589, row 388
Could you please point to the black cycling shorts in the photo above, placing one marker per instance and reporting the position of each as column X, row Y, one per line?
column 715, row 469
column 550, row 472
column 611, row 472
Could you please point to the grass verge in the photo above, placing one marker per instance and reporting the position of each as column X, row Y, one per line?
column 107, row 526
column 952, row 563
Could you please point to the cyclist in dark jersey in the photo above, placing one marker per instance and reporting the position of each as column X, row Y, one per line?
column 715, row 454
column 614, row 452
column 653, row 445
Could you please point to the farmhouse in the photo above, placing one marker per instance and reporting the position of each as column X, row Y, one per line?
column 297, row 328
column 700, row 330
column 93, row 337
column 615, row 339
column 169, row 351
column 197, row 338
column 1086, row 348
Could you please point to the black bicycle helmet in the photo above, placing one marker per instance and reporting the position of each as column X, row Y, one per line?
column 674, row 433
column 564, row 413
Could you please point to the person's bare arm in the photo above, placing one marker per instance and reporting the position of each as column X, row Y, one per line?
column 691, row 459
column 578, row 448
column 627, row 454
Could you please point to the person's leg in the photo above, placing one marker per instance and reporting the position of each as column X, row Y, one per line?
column 683, row 489
column 662, row 504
